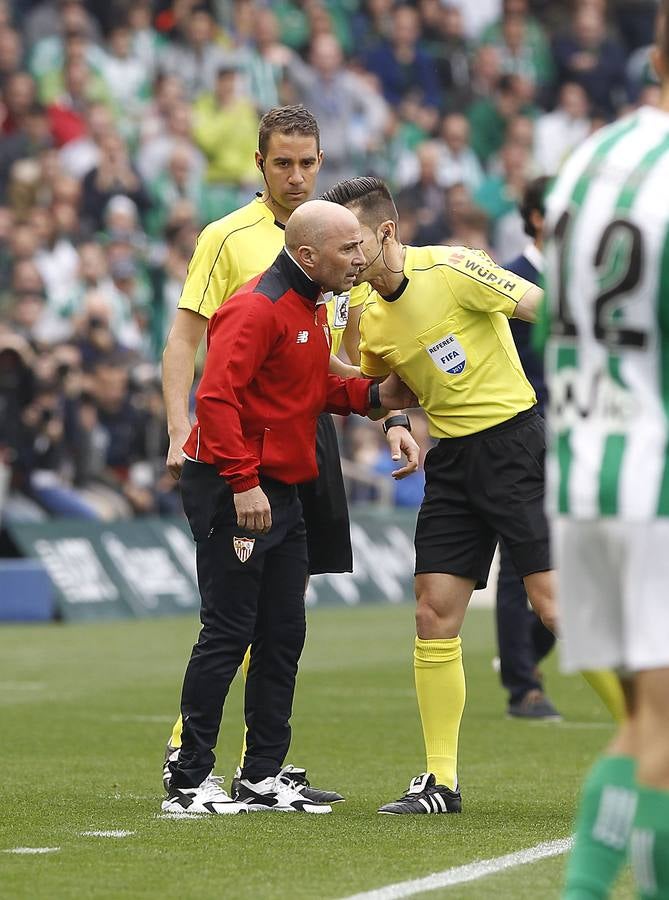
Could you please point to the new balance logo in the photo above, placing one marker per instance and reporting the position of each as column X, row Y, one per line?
column 302, row 337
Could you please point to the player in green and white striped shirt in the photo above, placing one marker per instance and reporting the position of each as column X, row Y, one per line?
column 609, row 364
column 607, row 361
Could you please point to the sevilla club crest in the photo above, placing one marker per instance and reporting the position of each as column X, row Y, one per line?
column 243, row 547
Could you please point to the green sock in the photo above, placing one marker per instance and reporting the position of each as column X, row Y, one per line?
column 649, row 844
column 603, row 825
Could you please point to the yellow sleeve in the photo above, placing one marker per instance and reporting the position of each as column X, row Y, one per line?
column 371, row 365
column 359, row 293
column 479, row 284
column 209, row 279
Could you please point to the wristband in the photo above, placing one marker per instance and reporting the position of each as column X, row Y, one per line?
column 401, row 419
column 374, row 396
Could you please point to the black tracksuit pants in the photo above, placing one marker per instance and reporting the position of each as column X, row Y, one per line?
column 252, row 593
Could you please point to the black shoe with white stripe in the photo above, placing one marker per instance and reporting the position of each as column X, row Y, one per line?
column 425, row 796
column 275, row 794
column 298, row 778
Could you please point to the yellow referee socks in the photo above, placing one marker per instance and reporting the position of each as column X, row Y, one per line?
column 246, row 662
column 606, row 685
column 175, row 740
column 440, row 688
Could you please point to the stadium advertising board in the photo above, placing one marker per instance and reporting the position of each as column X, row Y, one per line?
column 113, row 570
column 146, row 567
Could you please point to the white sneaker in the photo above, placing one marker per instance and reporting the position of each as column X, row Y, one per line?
column 277, row 794
column 298, row 776
column 208, row 798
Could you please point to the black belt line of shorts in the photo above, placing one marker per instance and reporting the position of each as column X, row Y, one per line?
column 513, row 422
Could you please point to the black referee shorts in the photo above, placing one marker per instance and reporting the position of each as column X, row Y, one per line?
column 481, row 487
column 325, row 507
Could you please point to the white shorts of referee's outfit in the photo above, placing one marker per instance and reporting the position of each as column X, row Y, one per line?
column 613, row 593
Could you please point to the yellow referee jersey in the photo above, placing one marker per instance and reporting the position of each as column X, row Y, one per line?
column 236, row 248
column 446, row 333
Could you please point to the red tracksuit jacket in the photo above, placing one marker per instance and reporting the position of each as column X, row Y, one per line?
column 266, row 380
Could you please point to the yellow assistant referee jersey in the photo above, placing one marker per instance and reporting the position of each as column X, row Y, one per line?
column 236, row 248
column 446, row 333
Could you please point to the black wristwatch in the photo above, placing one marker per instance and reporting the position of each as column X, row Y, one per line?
column 401, row 419
column 374, row 396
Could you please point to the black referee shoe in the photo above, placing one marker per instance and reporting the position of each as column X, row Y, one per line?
column 296, row 777
column 425, row 796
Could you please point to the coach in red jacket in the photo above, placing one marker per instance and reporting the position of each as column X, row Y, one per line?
column 264, row 384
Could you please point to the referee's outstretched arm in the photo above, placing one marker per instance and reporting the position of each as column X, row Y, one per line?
column 528, row 305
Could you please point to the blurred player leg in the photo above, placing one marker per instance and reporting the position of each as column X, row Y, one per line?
column 590, row 559
column 649, row 843
column 606, row 685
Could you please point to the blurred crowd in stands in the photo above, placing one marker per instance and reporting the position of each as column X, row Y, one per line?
column 126, row 125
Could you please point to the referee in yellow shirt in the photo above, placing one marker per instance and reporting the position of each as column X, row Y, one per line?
column 230, row 252
column 438, row 317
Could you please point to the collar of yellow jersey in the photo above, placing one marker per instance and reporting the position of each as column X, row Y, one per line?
column 396, row 294
column 400, row 289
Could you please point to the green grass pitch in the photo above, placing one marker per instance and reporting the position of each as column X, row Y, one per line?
column 86, row 711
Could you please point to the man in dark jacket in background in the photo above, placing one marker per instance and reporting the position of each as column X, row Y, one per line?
column 522, row 638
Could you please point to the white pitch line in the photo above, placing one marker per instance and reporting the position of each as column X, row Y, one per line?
column 26, row 850
column 118, row 833
column 470, row 872
column 176, row 817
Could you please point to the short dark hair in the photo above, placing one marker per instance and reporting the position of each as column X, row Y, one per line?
column 287, row 120
column 534, row 201
column 369, row 195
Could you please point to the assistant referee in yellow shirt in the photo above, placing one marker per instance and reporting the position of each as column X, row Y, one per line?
column 438, row 317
